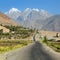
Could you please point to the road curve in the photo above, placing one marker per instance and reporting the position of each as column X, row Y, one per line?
column 34, row 51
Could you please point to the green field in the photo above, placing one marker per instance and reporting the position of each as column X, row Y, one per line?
column 7, row 45
column 13, row 39
column 55, row 46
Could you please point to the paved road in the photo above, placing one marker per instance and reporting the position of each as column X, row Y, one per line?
column 34, row 51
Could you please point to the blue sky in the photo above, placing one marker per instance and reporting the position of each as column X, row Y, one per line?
column 52, row 6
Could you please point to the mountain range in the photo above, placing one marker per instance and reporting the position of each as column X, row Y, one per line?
column 29, row 17
column 35, row 18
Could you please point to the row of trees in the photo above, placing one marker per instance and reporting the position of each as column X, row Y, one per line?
column 16, row 32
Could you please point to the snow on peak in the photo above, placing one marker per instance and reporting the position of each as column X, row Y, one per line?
column 15, row 13
column 36, row 9
column 44, row 11
column 14, row 10
column 27, row 9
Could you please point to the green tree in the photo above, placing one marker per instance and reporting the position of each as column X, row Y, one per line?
column 45, row 39
column 1, row 31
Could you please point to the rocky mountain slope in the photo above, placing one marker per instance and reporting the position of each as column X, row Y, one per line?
column 52, row 23
column 5, row 20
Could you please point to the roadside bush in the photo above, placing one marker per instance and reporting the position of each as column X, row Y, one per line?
column 45, row 40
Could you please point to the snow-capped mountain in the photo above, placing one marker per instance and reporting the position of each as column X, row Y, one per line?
column 29, row 17
column 13, row 13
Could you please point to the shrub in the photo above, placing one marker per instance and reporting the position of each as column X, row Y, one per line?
column 45, row 39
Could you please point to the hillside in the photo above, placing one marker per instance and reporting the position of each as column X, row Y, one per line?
column 5, row 20
column 52, row 23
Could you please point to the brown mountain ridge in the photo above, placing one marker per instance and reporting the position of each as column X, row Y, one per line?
column 5, row 20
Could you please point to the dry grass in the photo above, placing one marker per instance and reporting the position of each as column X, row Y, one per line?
column 5, row 30
column 49, row 34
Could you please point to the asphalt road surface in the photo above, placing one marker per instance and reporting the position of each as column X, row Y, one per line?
column 34, row 51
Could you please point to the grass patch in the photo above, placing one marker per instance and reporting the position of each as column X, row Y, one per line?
column 55, row 46
column 7, row 45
